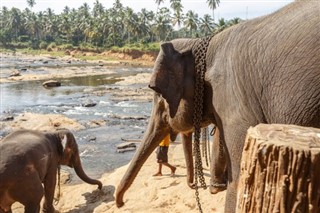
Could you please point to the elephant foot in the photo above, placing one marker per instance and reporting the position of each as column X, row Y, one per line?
column 48, row 209
column 119, row 204
column 119, row 201
column 216, row 186
column 191, row 185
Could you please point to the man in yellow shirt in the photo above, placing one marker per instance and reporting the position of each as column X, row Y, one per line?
column 162, row 156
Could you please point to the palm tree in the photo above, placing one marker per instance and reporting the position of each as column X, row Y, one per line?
column 176, row 5
column 177, row 19
column 31, row 3
column 98, row 9
column 206, row 25
column 162, row 26
column 14, row 22
column 66, row 10
column 222, row 23
column 191, row 22
column 130, row 22
column 213, row 4
column 234, row 21
column 144, row 23
column 177, row 12
column 34, row 25
column 158, row 2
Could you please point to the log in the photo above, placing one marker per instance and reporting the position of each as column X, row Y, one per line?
column 126, row 145
column 280, row 170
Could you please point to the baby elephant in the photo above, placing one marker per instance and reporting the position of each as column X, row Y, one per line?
column 29, row 158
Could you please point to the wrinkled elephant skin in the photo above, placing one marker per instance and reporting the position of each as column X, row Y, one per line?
column 265, row 70
column 31, row 158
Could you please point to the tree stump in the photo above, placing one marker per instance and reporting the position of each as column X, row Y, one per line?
column 280, row 170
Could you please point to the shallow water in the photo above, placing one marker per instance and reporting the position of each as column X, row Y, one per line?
column 97, row 145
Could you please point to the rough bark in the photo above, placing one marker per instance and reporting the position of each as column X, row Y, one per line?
column 280, row 170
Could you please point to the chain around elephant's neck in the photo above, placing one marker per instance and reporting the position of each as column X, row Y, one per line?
column 200, row 54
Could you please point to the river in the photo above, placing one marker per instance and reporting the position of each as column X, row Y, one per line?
column 124, row 117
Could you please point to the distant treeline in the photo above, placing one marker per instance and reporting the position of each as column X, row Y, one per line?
column 101, row 27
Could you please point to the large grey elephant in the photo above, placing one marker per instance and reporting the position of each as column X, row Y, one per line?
column 265, row 70
column 32, row 158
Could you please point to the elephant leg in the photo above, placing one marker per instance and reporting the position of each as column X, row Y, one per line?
column 235, row 137
column 49, row 187
column 29, row 193
column 218, row 165
column 187, row 148
column 32, row 208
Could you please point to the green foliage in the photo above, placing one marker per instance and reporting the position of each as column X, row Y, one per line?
column 43, row 45
column 102, row 28
column 23, row 38
column 51, row 46
column 65, row 47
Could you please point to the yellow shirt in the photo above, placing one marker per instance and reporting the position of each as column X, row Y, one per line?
column 165, row 141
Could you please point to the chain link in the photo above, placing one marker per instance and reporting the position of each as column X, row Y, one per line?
column 205, row 144
column 200, row 67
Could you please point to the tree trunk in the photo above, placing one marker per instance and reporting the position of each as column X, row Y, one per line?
column 280, row 170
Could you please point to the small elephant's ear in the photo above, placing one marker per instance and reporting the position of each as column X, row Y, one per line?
column 64, row 141
column 67, row 139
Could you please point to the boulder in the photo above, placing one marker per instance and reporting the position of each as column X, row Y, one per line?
column 51, row 83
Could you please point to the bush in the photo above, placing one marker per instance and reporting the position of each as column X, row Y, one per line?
column 43, row 45
column 65, row 47
column 23, row 38
column 51, row 46
column 20, row 45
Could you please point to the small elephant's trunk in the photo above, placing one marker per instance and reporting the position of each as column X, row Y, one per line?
column 80, row 172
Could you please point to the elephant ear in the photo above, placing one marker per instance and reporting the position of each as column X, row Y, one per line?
column 167, row 78
column 68, row 144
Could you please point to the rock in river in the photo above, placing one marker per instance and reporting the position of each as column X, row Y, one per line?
column 51, row 83
column 89, row 103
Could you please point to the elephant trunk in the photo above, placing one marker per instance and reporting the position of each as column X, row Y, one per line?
column 82, row 175
column 151, row 140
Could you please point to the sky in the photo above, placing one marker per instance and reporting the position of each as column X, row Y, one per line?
column 228, row 9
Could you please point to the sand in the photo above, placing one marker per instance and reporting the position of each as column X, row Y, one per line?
column 146, row 194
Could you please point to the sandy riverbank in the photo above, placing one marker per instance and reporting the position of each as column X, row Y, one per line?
column 56, row 67
column 147, row 193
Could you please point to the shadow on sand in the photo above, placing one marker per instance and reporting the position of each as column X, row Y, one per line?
column 94, row 199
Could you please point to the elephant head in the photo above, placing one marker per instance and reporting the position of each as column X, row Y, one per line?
column 70, row 156
column 173, row 81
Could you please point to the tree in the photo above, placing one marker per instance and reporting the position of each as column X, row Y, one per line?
column 234, row 21
column 31, row 3
column 206, row 25
column 213, row 4
column 162, row 26
column 222, row 23
column 144, row 24
column 158, row 2
column 98, row 9
column 191, row 22
column 177, row 12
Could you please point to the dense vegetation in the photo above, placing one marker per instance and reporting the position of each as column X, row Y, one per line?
column 103, row 28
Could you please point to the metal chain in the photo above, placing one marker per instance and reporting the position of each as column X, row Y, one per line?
column 221, row 148
column 200, row 67
column 204, row 144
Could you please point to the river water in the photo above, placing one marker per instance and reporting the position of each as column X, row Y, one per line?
column 125, row 118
